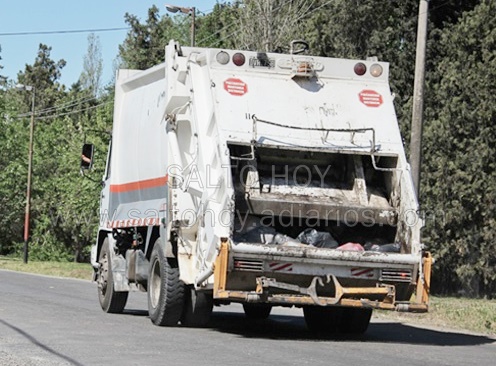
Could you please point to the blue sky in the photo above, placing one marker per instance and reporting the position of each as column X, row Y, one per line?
column 62, row 15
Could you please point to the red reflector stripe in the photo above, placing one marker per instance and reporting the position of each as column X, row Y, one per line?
column 368, row 272
column 142, row 184
column 275, row 266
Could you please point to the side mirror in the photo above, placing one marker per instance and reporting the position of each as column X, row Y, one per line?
column 87, row 156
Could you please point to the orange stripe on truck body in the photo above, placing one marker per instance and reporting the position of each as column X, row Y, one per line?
column 139, row 185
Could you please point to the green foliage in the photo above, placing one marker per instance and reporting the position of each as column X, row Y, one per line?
column 91, row 76
column 364, row 30
column 64, row 211
column 459, row 168
column 218, row 29
column 43, row 75
column 144, row 45
column 13, row 168
column 270, row 25
column 3, row 79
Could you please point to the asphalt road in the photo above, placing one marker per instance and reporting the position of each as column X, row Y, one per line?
column 53, row 321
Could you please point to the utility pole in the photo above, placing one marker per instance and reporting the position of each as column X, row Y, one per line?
column 418, row 96
column 193, row 14
column 30, row 172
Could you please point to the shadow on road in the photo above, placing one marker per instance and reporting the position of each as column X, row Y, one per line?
column 293, row 328
column 286, row 327
column 43, row 346
column 135, row 312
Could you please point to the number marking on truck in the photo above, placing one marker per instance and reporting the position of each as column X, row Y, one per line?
column 262, row 61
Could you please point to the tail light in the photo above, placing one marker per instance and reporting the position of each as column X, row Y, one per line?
column 222, row 57
column 360, row 69
column 376, row 70
column 239, row 59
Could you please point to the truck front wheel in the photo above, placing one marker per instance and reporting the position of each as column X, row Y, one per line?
column 110, row 300
column 165, row 290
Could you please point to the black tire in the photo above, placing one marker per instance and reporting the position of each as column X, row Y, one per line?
column 110, row 300
column 197, row 308
column 355, row 320
column 257, row 311
column 321, row 319
column 165, row 290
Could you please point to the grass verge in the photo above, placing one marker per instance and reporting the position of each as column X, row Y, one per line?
column 476, row 315
column 59, row 269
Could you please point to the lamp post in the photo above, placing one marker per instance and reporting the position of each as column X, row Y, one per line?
column 30, row 171
column 192, row 11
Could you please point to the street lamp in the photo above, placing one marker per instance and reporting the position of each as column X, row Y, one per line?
column 192, row 11
column 30, row 170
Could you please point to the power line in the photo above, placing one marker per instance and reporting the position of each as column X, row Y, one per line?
column 65, row 113
column 73, row 112
column 96, row 30
column 61, row 106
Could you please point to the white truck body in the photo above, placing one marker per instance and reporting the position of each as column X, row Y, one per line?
column 207, row 155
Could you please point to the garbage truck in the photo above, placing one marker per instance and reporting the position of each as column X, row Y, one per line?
column 264, row 179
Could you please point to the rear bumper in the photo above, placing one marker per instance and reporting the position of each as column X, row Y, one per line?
column 310, row 276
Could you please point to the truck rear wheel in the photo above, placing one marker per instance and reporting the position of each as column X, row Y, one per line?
column 322, row 319
column 197, row 308
column 355, row 320
column 165, row 290
column 257, row 311
column 110, row 300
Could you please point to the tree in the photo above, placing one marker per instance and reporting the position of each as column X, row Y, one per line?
column 13, row 140
column 219, row 28
column 3, row 79
column 43, row 75
column 64, row 206
column 459, row 167
column 457, row 186
column 270, row 25
column 446, row 12
column 91, row 77
column 144, row 45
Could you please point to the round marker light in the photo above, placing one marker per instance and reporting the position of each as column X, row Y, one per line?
column 376, row 70
column 360, row 69
column 222, row 57
column 239, row 59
